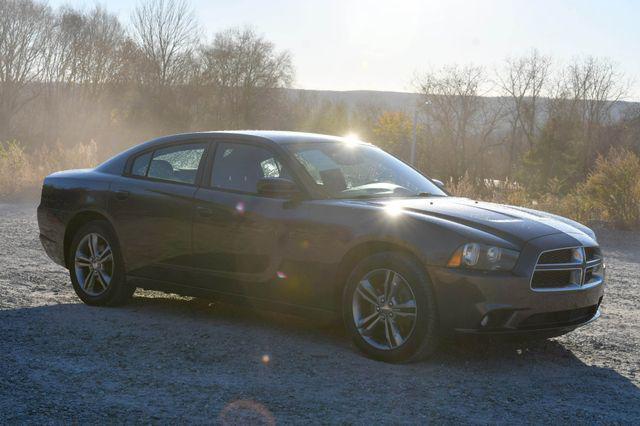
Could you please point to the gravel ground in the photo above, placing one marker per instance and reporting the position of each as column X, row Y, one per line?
column 165, row 358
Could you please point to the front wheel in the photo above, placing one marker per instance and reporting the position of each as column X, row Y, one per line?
column 389, row 308
column 96, row 266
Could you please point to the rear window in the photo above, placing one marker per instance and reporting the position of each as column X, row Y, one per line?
column 141, row 165
column 177, row 163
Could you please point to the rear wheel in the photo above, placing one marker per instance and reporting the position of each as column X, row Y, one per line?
column 96, row 266
column 389, row 308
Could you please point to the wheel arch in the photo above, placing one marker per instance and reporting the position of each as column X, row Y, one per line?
column 75, row 223
column 365, row 249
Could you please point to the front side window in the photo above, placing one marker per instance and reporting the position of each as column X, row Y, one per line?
column 239, row 167
column 347, row 170
column 177, row 163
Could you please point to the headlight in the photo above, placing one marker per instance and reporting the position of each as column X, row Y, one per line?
column 483, row 257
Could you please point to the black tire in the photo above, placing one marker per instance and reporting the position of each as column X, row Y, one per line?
column 423, row 339
column 118, row 291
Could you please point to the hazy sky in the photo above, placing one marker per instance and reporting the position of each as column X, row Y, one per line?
column 380, row 45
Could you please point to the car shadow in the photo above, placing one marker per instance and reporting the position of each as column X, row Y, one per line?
column 179, row 358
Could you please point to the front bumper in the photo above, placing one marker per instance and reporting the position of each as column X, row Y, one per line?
column 503, row 303
column 471, row 301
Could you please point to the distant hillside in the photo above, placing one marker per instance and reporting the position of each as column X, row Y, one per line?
column 398, row 101
column 401, row 101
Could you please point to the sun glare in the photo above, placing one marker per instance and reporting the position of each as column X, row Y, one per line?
column 351, row 139
column 393, row 210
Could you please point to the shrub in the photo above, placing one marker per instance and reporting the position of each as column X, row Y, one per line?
column 464, row 187
column 15, row 170
column 495, row 191
column 610, row 193
column 612, row 189
column 22, row 171
column 58, row 157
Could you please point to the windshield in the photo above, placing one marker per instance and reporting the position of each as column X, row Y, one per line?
column 345, row 170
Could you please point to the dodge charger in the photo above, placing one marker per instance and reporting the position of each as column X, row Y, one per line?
column 322, row 225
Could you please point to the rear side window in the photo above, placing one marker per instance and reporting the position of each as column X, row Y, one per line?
column 239, row 167
column 141, row 165
column 176, row 163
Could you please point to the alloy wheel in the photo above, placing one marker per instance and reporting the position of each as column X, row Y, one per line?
column 94, row 265
column 384, row 309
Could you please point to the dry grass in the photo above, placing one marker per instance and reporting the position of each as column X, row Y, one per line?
column 22, row 172
column 610, row 194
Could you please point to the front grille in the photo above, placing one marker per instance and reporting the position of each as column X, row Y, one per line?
column 588, row 275
column 559, row 318
column 556, row 256
column 593, row 273
column 592, row 253
column 553, row 279
column 568, row 268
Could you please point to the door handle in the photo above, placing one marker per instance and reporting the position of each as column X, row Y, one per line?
column 204, row 211
column 121, row 194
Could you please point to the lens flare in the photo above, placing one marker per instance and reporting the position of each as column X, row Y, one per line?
column 393, row 210
column 351, row 139
column 246, row 411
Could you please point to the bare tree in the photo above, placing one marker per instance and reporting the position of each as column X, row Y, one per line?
column 25, row 28
column 462, row 122
column 86, row 50
column 243, row 68
column 523, row 81
column 83, row 59
column 586, row 93
column 167, row 34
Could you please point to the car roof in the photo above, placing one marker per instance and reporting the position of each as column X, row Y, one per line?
column 116, row 164
column 277, row 136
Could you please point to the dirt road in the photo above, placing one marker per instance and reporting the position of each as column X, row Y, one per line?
column 164, row 358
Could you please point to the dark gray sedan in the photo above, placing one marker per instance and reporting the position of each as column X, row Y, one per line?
column 312, row 224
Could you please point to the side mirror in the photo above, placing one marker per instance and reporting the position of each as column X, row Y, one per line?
column 438, row 183
column 277, row 187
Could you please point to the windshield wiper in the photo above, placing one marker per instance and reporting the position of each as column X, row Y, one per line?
column 363, row 196
column 387, row 195
column 428, row 194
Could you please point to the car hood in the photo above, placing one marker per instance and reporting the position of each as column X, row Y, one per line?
column 516, row 224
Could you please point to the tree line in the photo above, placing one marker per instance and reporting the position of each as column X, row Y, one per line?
column 71, row 75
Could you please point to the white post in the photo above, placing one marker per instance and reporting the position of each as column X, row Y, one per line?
column 413, row 140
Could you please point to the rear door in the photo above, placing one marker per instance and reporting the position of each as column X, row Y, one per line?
column 152, row 206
